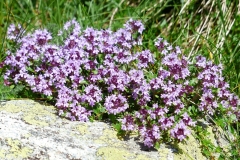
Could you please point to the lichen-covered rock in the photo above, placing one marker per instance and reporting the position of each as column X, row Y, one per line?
column 33, row 130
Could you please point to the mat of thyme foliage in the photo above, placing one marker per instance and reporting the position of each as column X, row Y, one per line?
column 90, row 72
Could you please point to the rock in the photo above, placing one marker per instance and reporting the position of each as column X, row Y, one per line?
column 33, row 130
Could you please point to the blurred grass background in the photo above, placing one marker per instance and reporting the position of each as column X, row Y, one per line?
column 200, row 27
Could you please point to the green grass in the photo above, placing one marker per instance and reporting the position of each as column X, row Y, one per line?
column 210, row 29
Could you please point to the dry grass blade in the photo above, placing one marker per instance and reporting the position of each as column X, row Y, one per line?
column 225, row 27
column 201, row 28
column 113, row 14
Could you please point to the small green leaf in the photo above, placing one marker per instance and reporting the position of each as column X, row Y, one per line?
column 157, row 145
column 83, row 82
column 233, row 117
column 12, row 86
column 112, row 118
column 193, row 82
column 117, row 126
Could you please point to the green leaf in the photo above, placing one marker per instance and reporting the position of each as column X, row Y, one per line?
column 233, row 117
column 193, row 81
column 84, row 82
column 112, row 118
column 117, row 126
column 157, row 145
column 206, row 152
column 12, row 86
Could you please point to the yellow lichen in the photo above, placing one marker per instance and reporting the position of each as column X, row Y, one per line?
column 33, row 113
column 211, row 135
column 83, row 129
column 2, row 153
column 16, row 151
column 110, row 137
column 11, row 108
column 112, row 153
column 110, row 133
column 189, row 150
column 142, row 157
column 31, row 120
column 37, row 115
column 27, row 135
column 164, row 152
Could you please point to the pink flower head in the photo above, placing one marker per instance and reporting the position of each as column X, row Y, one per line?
column 128, row 123
column 187, row 120
column 180, row 131
column 92, row 94
column 166, row 123
column 116, row 104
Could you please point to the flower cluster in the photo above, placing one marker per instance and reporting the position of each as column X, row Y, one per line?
column 14, row 31
column 116, row 104
column 92, row 95
column 171, row 84
column 215, row 90
column 92, row 68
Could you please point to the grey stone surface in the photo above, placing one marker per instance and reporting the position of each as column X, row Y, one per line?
column 33, row 130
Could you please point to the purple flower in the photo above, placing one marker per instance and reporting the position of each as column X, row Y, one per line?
column 116, row 104
column 108, row 61
column 142, row 114
column 92, row 95
column 123, row 56
column 144, row 58
column 201, row 61
column 156, row 83
column 134, row 26
column 71, row 24
column 141, row 93
column 148, row 142
column 166, row 122
column 159, row 111
column 80, row 112
column 64, row 98
column 136, row 76
column 90, row 65
column 150, row 135
column 163, row 74
column 93, row 78
column 14, row 31
column 128, row 123
column 208, row 102
column 187, row 120
column 41, row 37
column 180, row 131
column 123, row 38
column 160, row 44
column 106, row 41
column 177, row 67
column 117, row 80
column 172, row 94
